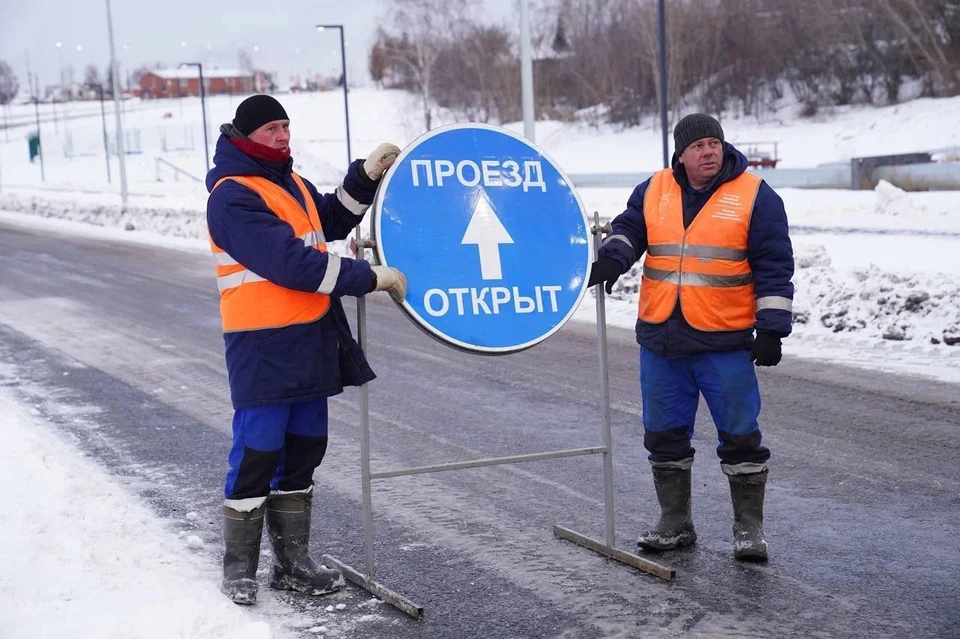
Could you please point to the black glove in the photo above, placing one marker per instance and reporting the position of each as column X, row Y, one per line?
column 607, row 270
column 766, row 349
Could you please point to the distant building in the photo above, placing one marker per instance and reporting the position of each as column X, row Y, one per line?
column 176, row 83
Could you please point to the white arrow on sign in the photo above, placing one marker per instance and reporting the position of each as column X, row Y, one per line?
column 487, row 232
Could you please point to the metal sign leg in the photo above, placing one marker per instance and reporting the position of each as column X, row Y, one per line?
column 608, row 548
column 368, row 561
column 368, row 579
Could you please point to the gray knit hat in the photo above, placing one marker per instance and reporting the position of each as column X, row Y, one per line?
column 693, row 127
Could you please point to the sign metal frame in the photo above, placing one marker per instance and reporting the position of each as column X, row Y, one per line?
column 367, row 579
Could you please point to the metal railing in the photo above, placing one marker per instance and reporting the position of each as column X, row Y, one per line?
column 177, row 171
column 934, row 176
column 828, row 177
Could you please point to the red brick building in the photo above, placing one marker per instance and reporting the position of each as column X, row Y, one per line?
column 175, row 83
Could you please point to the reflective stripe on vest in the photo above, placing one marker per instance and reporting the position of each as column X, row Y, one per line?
column 250, row 302
column 704, row 266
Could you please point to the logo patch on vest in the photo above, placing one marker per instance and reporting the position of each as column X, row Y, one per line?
column 662, row 207
column 729, row 206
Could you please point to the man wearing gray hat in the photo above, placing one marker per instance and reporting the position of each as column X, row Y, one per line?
column 718, row 268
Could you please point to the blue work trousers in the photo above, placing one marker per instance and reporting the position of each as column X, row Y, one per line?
column 276, row 447
column 671, row 389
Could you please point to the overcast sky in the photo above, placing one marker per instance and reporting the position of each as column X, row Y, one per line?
column 174, row 31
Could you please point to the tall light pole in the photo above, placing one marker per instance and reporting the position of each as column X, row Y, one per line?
column 203, row 110
column 526, row 71
column 661, row 14
column 103, row 118
column 343, row 62
column 365, row 493
column 115, row 76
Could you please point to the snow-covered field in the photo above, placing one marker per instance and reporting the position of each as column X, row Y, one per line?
column 876, row 283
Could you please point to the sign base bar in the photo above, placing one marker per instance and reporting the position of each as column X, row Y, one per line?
column 490, row 461
column 373, row 587
column 623, row 557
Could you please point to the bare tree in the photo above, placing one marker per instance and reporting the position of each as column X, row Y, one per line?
column 108, row 79
column 723, row 56
column 426, row 27
column 244, row 61
column 928, row 26
column 477, row 75
column 377, row 64
column 9, row 86
column 91, row 75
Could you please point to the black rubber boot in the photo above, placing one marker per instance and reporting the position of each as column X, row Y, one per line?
column 675, row 528
column 288, row 526
column 241, row 539
column 747, row 493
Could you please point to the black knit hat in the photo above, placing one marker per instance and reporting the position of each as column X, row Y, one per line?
column 256, row 111
column 693, row 127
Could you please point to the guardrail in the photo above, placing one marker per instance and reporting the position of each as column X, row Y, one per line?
column 828, row 177
column 933, row 176
column 176, row 171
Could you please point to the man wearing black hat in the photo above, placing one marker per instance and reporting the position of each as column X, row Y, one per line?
column 288, row 343
column 718, row 267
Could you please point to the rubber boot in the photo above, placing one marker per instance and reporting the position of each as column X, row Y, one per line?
column 241, row 538
column 747, row 493
column 288, row 526
column 675, row 528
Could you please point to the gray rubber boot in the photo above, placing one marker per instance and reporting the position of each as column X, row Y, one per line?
column 241, row 539
column 747, row 492
column 675, row 528
column 288, row 526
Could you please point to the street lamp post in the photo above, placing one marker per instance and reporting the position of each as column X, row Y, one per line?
column 526, row 72
column 103, row 118
column 115, row 80
column 365, row 478
column 203, row 110
column 343, row 63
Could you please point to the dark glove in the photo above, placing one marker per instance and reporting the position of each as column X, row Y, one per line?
column 607, row 270
column 766, row 349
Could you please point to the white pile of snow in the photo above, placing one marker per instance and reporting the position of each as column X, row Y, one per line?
column 868, row 302
column 175, row 222
column 81, row 558
column 911, row 306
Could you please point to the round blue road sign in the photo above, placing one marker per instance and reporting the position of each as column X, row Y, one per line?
column 491, row 234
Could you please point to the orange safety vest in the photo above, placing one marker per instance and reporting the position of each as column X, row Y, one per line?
column 249, row 302
column 704, row 266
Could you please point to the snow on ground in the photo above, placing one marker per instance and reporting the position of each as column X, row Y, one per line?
column 83, row 556
column 82, row 559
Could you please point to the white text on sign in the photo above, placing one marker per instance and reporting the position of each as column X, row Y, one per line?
column 488, row 173
column 475, row 301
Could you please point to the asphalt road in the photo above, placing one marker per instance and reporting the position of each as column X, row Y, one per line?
column 119, row 345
